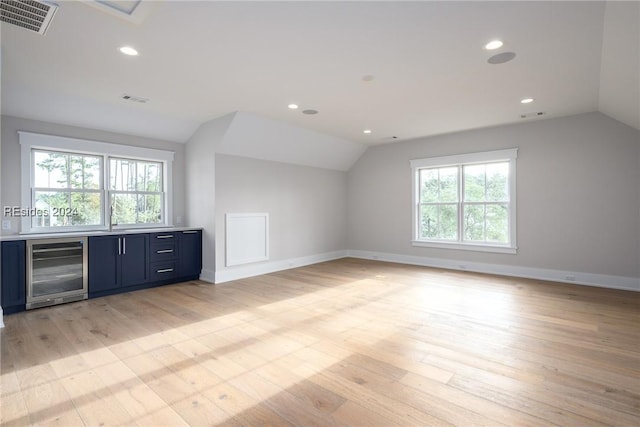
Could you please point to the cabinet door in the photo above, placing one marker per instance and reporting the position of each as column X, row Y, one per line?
column 104, row 270
column 13, row 275
column 190, row 252
column 135, row 259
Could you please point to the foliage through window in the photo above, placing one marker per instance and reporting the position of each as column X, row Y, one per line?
column 136, row 191
column 71, row 190
column 68, row 187
column 465, row 200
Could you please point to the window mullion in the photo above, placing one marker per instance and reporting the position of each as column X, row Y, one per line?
column 460, row 203
column 484, row 209
column 484, row 222
column 68, row 188
column 106, row 186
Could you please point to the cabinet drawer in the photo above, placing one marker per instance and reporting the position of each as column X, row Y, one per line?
column 163, row 270
column 163, row 251
column 162, row 238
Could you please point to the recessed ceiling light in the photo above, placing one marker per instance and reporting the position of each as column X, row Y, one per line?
column 526, row 100
column 128, row 50
column 366, row 131
column 493, row 44
column 292, row 106
column 310, row 112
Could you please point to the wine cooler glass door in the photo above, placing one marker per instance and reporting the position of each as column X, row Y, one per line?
column 57, row 269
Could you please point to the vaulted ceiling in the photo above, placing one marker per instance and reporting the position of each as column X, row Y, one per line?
column 399, row 69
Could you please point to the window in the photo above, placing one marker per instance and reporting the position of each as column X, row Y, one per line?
column 465, row 201
column 70, row 184
column 68, row 187
column 136, row 191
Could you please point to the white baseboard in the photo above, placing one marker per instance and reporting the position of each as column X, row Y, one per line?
column 242, row 272
column 208, row 276
column 574, row 277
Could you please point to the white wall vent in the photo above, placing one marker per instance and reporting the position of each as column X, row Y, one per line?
column 29, row 14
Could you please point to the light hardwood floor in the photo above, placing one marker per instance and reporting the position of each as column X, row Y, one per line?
column 348, row 342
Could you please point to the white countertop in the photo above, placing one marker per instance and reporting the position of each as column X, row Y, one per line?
column 31, row 236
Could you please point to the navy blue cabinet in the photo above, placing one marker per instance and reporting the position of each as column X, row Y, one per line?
column 190, row 250
column 116, row 262
column 135, row 259
column 13, row 276
column 164, row 256
column 104, row 263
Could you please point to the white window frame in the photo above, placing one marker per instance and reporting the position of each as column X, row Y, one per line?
column 30, row 141
column 507, row 155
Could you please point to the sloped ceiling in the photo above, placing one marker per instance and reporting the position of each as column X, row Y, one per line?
column 429, row 72
column 254, row 136
column 248, row 135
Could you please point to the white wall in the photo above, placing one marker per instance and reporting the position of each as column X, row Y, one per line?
column 307, row 210
column 200, row 179
column 577, row 195
column 10, row 148
column 620, row 63
column 275, row 148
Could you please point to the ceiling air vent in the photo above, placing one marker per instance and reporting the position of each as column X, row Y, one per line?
column 29, row 14
column 530, row 115
column 132, row 98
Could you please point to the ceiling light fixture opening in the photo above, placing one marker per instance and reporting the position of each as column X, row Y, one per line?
column 128, row 50
column 367, row 131
column 292, row 106
column 494, row 44
column 309, row 112
column 526, row 100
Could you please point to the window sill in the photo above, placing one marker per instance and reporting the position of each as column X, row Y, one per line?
column 62, row 230
column 96, row 229
column 466, row 247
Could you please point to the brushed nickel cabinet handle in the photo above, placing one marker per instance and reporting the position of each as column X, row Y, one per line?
column 164, row 270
